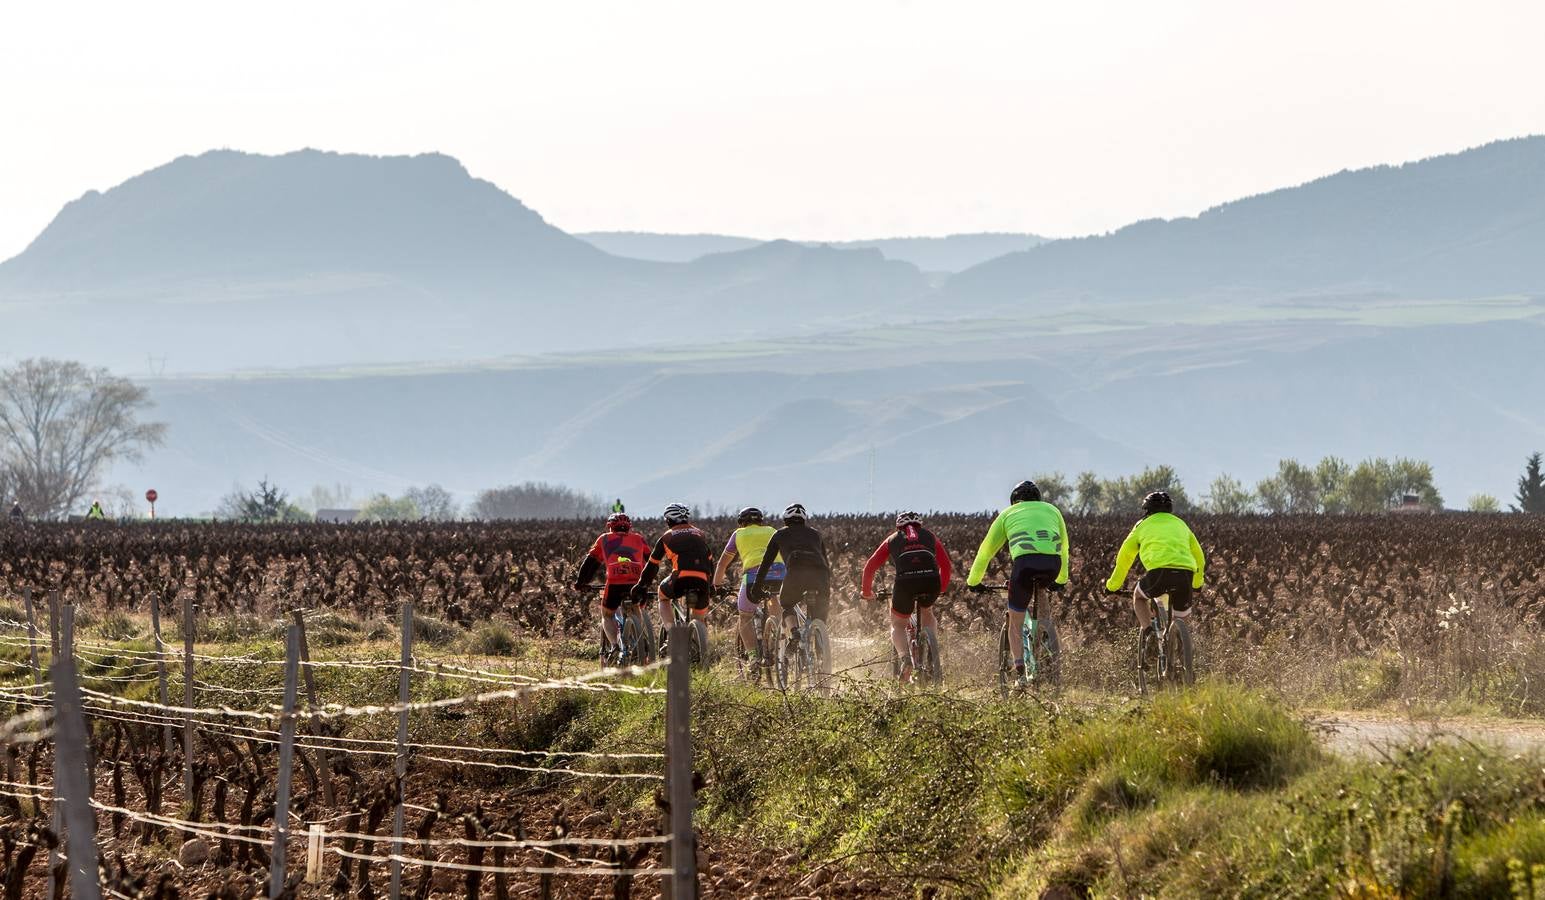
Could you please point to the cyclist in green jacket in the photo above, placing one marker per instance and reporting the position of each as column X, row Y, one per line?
column 1171, row 556
column 1037, row 537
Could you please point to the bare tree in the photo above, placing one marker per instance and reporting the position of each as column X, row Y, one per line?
column 62, row 425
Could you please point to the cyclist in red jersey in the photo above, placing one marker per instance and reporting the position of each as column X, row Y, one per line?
column 621, row 553
column 922, row 575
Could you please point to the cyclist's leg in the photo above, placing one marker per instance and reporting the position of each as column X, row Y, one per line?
column 746, row 611
column 1140, row 607
column 903, row 602
column 1021, row 591
column 666, row 592
column 611, row 598
column 701, row 596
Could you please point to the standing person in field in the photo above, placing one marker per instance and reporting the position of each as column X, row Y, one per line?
column 749, row 545
column 95, row 513
column 1037, row 537
column 922, row 576
column 691, row 560
column 17, row 516
column 807, row 574
column 1172, row 559
column 619, row 554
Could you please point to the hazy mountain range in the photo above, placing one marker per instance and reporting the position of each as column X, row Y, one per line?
column 400, row 322
column 950, row 253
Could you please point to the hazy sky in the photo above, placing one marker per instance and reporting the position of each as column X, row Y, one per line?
column 817, row 120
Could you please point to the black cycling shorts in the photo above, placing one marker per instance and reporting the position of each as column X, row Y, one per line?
column 814, row 585
column 1031, row 570
column 908, row 594
column 676, row 586
column 1156, row 583
column 614, row 594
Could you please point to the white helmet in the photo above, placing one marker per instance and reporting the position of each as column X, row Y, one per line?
column 677, row 514
column 794, row 512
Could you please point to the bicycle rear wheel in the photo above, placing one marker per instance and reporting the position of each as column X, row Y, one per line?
column 1178, row 651
column 1147, row 660
column 928, row 668
column 629, row 653
column 1005, row 661
column 820, row 653
column 700, row 656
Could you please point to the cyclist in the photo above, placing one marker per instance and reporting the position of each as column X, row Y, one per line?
column 691, row 560
column 1037, row 537
column 922, row 575
column 620, row 552
column 749, row 545
column 806, row 574
column 1172, row 559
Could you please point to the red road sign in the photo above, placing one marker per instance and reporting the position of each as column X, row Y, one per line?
column 151, row 495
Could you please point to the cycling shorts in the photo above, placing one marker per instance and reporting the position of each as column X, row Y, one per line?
column 1030, row 571
column 774, row 582
column 909, row 594
column 814, row 585
column 676, row 586
column 613, row 596
column 1155, row 583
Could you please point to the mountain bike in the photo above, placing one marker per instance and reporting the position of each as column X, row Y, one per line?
column 805, row 659
column 926, row 667
column 759, row 666
column 1036, row 645
column 681, row 611
column 634, row 633
column 1164, row 651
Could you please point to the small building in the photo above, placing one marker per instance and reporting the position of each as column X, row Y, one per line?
column 337, row 516
column 1411, row 503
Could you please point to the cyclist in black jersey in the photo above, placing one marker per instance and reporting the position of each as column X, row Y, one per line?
column 692, row 564
column 807, row 573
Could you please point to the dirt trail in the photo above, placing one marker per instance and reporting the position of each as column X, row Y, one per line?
column 1372, row 735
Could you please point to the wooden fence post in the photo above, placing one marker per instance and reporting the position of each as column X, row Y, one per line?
column 61, row 626
column 187, row 701
column 161, row 692
column 324, row 768
column 72, row 782
column 403, row 687
column 286, row 764
column 678, row 762
column 32, row 635
column 53, row 626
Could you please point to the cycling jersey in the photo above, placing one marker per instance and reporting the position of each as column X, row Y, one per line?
column 1031, row 527
column 688, row 552
column 1161, row 541
column 917, row 555
column 621, row 552
column 750, row 544
column 803, row 555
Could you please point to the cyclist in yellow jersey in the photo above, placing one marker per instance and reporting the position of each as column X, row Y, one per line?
column 749, row 545
column 1171, row 556
column 1037, row 537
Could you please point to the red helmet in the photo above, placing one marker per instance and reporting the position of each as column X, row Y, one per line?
column 619, row 522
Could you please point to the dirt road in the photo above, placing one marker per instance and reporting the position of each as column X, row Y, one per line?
column 1364, row 734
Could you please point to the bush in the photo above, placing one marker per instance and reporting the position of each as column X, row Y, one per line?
column 492, row 639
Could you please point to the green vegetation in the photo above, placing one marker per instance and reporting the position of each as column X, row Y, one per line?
column 1531, row 485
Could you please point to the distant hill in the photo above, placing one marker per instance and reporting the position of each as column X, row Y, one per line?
column 951, row 253
column 236, row 260
column 1466, row 224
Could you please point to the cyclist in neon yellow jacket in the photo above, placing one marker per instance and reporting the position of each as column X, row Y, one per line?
column 1172, row 559
column 1037, row 537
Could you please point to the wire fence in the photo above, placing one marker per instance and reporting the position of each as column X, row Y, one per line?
column 137, row 753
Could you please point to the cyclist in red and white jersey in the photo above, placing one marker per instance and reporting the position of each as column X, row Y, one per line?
column 620, row 553
column 922, row 575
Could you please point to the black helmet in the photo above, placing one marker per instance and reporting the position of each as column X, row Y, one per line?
column 1158, row 501
column 750, row 516
column 1025, row 490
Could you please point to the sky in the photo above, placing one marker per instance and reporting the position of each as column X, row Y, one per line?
column 813, row 120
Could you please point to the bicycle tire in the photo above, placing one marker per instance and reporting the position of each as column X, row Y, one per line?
column 769, row 637
column 1005, row 661
column 700, row 653
column 1179, row 654
column 820, row 653
column 928, row 657
column 1146, row 655
column 628, row 650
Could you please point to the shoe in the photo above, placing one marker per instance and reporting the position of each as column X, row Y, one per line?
column 1019, row 673
column 906, row 675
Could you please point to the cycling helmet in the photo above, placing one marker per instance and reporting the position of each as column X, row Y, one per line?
column 794, row 513
column 1025, row 490
column 677, row 514
column 1158, row 501
column 619, row 522
column 908, row 518
column 749, row 516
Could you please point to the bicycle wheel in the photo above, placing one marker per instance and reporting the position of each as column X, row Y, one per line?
column 928, row 667
column 1178, row 653
column 820, row 654
column 700, row 656
column 1005, row 661
column 628, row 651
column 1147, row 659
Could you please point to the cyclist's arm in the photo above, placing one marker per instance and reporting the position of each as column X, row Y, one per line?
column 1124, row 560
column 996, row 537
column 945, row 569
column 587, row 570
column 651, row 568
column 725, row 558
column 1201, row 563
column 1062, row 529
column 876, row 560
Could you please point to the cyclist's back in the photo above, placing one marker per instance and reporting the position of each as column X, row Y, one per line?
column 687, row 551
column 807, row 573
column 1172, row 558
